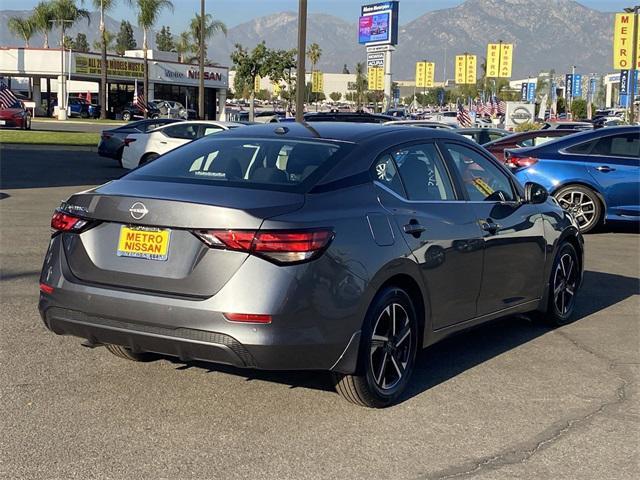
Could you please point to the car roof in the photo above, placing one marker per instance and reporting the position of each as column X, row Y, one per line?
column 206, row 122
column 580, row 136
column 337, row 131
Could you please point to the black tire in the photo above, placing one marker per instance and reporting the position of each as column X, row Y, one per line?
column 387, row 352
column 563, row 287
column 127, row 354
column 28, row 123
column 126, row 116
column 84, row 114
column 149, row 157
column 583, row 204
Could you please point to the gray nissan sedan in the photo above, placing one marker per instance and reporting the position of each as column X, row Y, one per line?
column 324, row 246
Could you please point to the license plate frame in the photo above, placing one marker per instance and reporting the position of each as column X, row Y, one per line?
column 147, row 243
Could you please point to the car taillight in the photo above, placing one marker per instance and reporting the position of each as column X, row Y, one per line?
column 64, row 222
column 127, row 141
column 520, row 162
column 279, row 246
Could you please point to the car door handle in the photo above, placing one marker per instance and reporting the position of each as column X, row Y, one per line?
column 163, row 142
column 413, row 228
column 605, row 168
column 490, row 226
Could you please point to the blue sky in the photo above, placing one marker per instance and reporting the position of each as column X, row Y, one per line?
column 233, row 12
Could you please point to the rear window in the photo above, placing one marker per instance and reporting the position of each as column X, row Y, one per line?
column 275, row 164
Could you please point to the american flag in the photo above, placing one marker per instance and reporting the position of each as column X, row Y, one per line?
column 464, row 120
column 7, row 98
column 501, row 106
column 138, row 99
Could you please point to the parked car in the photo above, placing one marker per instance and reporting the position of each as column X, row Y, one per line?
column 341, row 247
column 16, row 116
column 132, row 112
column 79, row 107
column 577, row 126
column 595, row 175
column 421, row 123
column 140, row 148
column 112, row 140
column 354, row 117
column 531, row 138
column 482, row 135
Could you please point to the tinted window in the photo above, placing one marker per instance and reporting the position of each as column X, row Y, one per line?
column 386, row 173
column 280, row 164
column 626, row 145
column 582, row 148
column 423, row 174
column 495, row 136
column 209, row 129
column 186, row 131
column 482, row 179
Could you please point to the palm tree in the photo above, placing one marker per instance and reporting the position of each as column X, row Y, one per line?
column 211, row 27
column 184, row 46
column 109, row 41
column 148, row 12
column 66, row 13
column 21, row 27
column 314, row 52
column 42, row 17
column 103, row 6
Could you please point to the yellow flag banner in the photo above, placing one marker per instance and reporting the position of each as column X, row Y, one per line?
column 471, row 73
column 317, row 81
column 493, row 59
column 430, row 73
column 499, row 60
column 256, row 84
column 623, row 41
column 506, row 60
column 461, row 69
column 375, row 77
column 421, row 74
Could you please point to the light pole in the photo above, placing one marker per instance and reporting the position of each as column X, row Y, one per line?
column 634, row 62
column 201, row 60
column 62, row 88
column 302, row 48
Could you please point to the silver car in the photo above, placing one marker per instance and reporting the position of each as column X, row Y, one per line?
column 325, row 246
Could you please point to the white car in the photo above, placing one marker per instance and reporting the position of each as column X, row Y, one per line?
column 141, row 148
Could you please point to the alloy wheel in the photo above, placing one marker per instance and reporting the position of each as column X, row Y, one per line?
column 565, row 279
column 391, row 344
column 581, row 206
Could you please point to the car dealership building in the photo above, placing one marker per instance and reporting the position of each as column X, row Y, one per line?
column 168, row 78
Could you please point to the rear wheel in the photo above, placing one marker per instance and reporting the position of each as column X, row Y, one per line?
column 126, row 116
column 387, row 352
column 126, row 353
column 583, row 204
column 149, row 157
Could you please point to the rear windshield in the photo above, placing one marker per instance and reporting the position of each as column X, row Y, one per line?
column 274, row 164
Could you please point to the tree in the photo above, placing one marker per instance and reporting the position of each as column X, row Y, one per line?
column 164, row 40
column 335, row 96
column 103, row 6
column 21, row 27
column 80, row 43
column 211, row 27
column 183, row 46
column 68, row 43
column 41, row 18
column 579, row 109
column 248, row 66
column 345, row 69
column 314, row 52
column 148, row 12
column 361, row 85
column 125, row 39
column 109, row 41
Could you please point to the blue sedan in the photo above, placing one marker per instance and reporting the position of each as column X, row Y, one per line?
column 595, row 175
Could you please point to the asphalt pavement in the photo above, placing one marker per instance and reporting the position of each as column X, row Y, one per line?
column 509, row 400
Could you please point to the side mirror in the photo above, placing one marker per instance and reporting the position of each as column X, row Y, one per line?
column 535, row 193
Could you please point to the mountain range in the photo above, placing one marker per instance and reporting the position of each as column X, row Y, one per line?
column 547, row 34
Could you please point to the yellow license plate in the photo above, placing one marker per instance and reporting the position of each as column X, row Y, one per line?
column 143, row 242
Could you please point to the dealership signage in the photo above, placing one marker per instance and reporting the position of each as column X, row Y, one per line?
column 465, row 72
column 499, row 60
column 378, row 24
column 375, row 59
column 568, row 85
column 623, row 42
column 120, row 67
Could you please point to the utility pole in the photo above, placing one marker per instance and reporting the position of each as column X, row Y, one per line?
column 62, row 86
column 302, row 49
column 634, row 62
column 201, row 60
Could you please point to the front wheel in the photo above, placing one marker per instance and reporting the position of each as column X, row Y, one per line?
column 387, row 352
column 583, row 204
column 126, row 116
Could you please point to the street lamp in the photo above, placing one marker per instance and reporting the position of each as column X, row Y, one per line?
column 634, row 62
column 62, row 101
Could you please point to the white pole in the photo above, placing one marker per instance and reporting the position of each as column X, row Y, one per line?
column 388, row 80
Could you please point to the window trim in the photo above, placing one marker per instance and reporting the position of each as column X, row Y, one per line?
column 389, row 151
column 515, row 186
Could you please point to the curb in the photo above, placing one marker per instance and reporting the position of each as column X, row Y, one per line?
column 38, row 146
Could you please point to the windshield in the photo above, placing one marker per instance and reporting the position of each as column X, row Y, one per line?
column 275, row 164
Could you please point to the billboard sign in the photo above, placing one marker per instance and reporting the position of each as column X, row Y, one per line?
column 375, row 59
column 576, row 91
column 531, row 92
column 622, row 42
column 378, row 24
column 568, row 85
